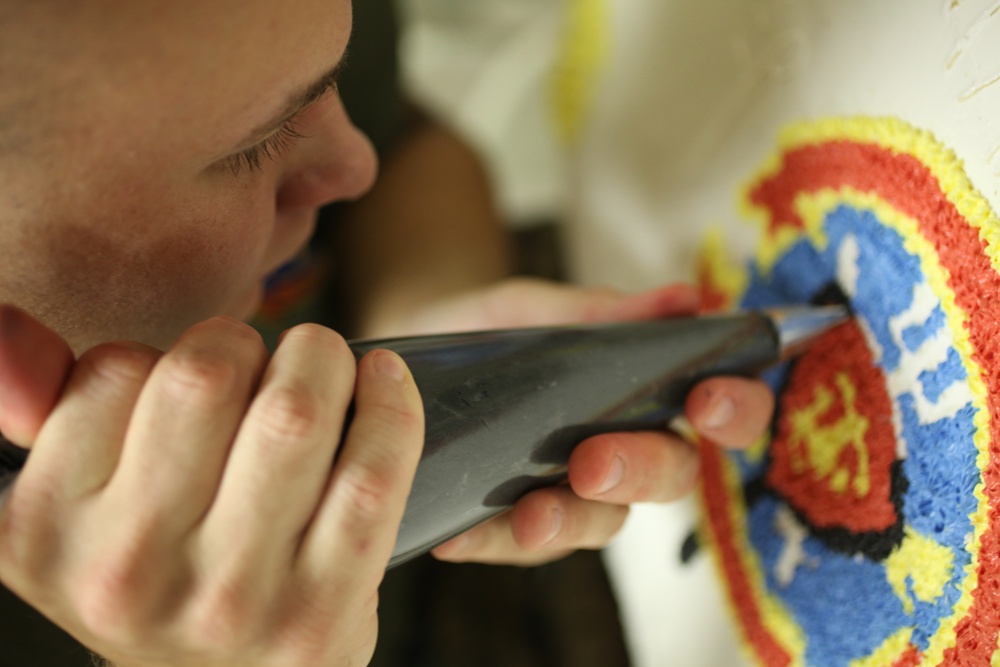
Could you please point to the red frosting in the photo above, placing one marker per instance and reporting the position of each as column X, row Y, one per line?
column 865, row 503
column 908, row 186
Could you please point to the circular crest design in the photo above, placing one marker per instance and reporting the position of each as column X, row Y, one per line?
column 863, row 530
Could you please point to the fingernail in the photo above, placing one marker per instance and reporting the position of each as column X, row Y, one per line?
column 721, row 413
column 389, row 365
column 557, row 525
column 614, row 477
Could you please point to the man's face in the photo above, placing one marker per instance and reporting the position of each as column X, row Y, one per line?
column 164, row 169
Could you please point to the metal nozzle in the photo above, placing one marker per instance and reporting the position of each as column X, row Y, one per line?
column 799, row 326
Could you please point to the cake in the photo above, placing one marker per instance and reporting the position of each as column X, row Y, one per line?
column 864, row 529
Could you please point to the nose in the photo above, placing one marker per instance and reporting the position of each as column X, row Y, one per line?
column 333, row 161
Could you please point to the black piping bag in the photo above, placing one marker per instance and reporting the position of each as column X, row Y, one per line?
column 504, row 409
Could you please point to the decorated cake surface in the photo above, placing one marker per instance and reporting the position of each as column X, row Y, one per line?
column 864, row 530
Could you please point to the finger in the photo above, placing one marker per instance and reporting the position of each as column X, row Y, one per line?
column 493, row 543
column 358, row 520
column 81, row 442
column 734, row 412
column 284, row 452
column 34, row 365
column 545, row 303
column 669, row 301
column 75, row 453
column 183, row 425
column 625, row 468
column 542, row 526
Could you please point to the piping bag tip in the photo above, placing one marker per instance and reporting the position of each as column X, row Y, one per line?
column 797, row 327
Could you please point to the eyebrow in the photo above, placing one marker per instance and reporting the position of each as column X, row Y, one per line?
column 299, row 101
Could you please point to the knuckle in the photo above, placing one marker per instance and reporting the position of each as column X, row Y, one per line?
column 289, row 412
column 109, row 600
column 233, row 329
column 315, row 334
column 399, row 417
column 116, row 364
column 394, row 409
column 226, row 618
column 370, row 494
column 198, row 376
column 325, row 345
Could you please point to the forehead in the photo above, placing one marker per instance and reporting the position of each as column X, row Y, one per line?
column 148, row 30
column 231, row 43
column 175, row 62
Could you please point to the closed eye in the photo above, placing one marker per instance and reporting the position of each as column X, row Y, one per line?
column 270, row 148
column 273, row 146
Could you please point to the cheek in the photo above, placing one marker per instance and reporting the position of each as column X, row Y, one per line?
column 150, row 280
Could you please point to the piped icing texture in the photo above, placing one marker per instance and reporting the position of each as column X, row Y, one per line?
column 863, row 530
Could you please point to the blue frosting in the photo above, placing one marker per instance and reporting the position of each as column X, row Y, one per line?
column 843, row 602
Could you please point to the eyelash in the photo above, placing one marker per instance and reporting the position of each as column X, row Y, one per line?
column 250, row 159
column 273, row 146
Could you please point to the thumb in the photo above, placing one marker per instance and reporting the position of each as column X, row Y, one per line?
column 34, row 364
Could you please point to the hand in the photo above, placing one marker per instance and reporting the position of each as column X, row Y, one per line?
column 609, row 472
column 184, row 508
column 529, row 302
